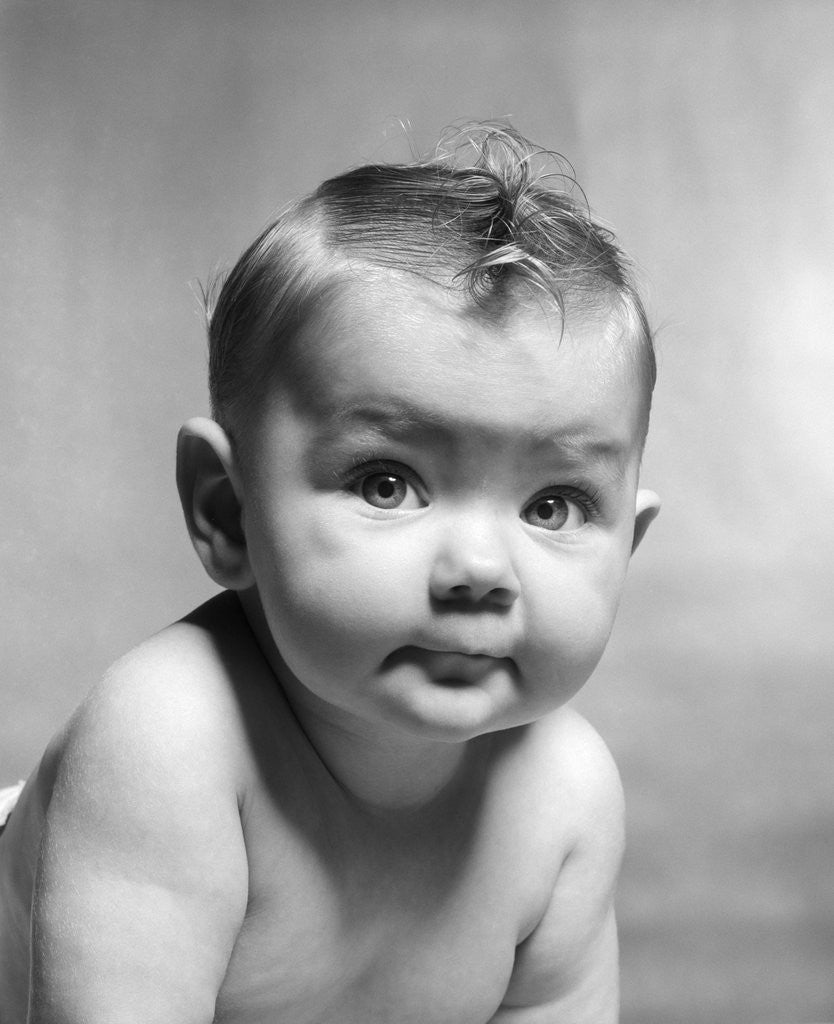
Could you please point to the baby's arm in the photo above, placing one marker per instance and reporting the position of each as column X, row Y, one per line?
column 142, row 878
column 566, row 971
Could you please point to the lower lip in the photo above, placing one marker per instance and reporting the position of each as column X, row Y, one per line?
column 451, row 668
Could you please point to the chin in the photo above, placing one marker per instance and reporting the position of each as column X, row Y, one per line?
column 452, row 714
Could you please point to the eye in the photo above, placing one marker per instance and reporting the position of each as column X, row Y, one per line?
column 555, row 512
column 388, row 490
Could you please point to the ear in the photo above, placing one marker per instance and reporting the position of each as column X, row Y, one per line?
column 211, row 493
column 647, row 506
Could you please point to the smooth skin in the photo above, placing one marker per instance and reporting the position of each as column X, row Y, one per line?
column 348, row 789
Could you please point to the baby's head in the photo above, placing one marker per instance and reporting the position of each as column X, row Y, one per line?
column 492, row 233
column 430, row 387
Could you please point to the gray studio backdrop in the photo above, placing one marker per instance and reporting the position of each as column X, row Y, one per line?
column 144, row 144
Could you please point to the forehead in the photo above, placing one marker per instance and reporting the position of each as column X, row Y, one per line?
column 392, row 350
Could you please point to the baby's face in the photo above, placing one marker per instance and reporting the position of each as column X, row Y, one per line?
column 440, row 511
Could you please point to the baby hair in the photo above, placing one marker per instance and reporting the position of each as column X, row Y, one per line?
column 488, row 215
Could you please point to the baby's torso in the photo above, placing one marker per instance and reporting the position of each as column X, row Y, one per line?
column 353, row 921
column 311, row 950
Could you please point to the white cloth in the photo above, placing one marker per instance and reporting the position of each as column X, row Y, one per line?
column 8, row 798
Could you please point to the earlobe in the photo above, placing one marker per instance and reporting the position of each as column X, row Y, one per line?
column 647, row 506
column 210, row 493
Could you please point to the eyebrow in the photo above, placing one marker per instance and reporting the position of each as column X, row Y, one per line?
column 394, row 417
column 405, row 422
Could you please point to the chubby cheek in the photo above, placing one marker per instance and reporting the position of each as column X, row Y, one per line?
column 570, row 614
column 333, row 599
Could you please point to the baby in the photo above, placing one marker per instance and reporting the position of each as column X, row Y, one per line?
column 347, row 789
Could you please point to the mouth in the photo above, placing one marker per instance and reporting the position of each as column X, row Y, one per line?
column 453, row 667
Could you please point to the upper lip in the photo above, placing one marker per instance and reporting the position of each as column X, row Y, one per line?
column 467, row 650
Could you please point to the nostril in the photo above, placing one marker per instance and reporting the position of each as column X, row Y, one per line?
column 464, row 593
column 501, row 596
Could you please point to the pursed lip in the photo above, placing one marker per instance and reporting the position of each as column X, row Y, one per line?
column 464, row 651
column 472, row 643
column 471, row 663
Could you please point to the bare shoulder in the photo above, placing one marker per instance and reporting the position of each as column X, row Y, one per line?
column 566, row 964
column 142, row 844
column 578, row 779
column 155, row 752
column 172, row 695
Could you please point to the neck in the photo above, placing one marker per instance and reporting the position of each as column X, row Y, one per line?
column 387, row 771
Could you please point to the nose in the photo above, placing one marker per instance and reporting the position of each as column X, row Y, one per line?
column 472, row 564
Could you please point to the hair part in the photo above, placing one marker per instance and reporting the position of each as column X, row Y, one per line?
column 486, row 226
